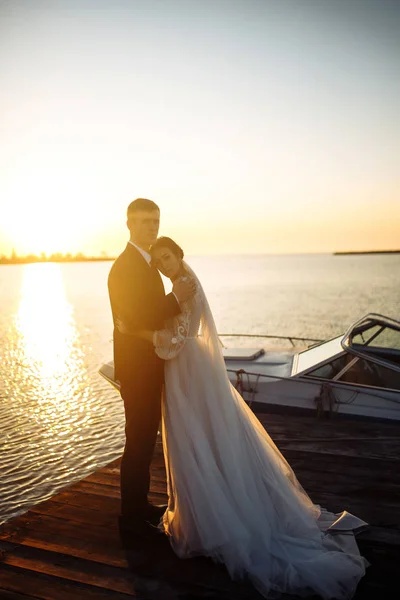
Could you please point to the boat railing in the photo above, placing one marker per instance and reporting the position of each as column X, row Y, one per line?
column 292, row 339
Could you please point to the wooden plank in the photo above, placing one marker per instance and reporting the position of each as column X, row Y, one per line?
column 358, row 466
column 383, row 561
column 67, row 567
column 48, row 587
column 297, row 425
column 7, row 595
column 37, row 525
column 343, row 485
column 98, row 489
column 374, row 590
column 389, row 451
column 158, row 498
column 93, row 501
column 103, row 477
column 113, row 480
column 373, row 514
column 80, row 514
column 381, row 535
column 90, row 532
column 107, row 551
column 335, row 473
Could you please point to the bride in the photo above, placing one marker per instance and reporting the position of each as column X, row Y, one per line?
column 232, row 495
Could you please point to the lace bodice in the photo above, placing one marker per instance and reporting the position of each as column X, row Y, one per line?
column 170, row 341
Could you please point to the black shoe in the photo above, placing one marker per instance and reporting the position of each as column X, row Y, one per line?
column 154, row 512
column 130, row 529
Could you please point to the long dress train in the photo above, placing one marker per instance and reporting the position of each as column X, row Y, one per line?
column 232, row 495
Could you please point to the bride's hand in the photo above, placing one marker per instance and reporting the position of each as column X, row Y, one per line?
column 120, row 326
column 184, row 289
column 143, row 334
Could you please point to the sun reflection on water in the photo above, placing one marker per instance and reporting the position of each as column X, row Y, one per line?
column 49, row 339
column 59, row 420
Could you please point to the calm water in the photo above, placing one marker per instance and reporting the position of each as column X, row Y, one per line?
column 60, row 420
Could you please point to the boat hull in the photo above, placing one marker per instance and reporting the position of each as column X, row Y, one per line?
column 320, row 397
column 296, row 394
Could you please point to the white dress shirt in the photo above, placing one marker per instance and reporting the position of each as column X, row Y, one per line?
column 146, row 255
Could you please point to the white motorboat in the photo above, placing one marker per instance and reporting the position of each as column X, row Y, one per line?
column 355, row 374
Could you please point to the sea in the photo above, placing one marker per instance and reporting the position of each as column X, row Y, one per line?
column 60, row 420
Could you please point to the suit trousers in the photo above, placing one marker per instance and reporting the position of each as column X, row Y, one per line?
column 142, row 403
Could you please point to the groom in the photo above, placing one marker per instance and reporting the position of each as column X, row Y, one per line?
column 138, row 301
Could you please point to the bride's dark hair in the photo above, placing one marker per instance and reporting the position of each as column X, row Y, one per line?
column 167, row 242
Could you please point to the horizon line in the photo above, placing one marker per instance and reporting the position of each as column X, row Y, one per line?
column 15, row 258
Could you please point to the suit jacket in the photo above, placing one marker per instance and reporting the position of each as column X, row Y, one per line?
column 137, row 297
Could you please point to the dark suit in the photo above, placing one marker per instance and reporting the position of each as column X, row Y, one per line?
column 138, row 298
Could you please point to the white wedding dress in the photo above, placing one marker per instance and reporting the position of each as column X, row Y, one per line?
column 232, row 495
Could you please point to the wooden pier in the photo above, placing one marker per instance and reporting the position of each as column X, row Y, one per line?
column 69, row 547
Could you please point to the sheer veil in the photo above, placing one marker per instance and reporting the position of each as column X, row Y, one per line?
column 212, row 343
column 208, row 328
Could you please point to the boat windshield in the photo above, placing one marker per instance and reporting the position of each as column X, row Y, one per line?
column 376, row 338
column 356, row 371
column 317, row 354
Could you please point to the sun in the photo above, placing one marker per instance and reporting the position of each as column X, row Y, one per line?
column 45, row 215
column 43, row 229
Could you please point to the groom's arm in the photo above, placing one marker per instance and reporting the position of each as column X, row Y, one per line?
column 130, row 304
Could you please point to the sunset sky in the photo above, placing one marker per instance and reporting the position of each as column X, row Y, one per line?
column 256, row 125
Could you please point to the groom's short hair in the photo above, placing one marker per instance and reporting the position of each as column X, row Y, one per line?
column 141, row 204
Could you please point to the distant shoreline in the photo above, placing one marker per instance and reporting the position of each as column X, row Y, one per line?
column 27, row 260
column 368, row 252
column 57, row 258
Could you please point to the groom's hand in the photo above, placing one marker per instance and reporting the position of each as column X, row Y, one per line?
column 184, row 289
